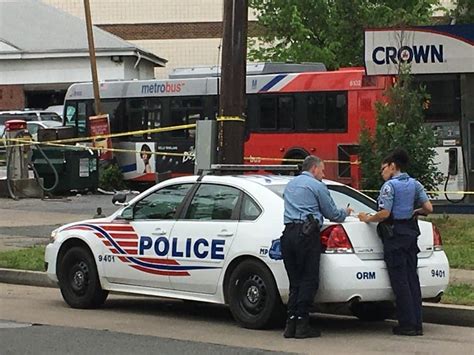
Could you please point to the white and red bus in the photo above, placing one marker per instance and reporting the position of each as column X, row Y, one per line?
column 292, row 110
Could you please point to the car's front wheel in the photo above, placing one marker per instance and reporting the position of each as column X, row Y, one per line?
column 373, row 311
column 78, row 279
column 253, row 296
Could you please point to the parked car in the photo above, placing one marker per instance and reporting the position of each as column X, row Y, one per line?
column 210, row 239
column 29, row 115
column 34, row 126
column 59, row 109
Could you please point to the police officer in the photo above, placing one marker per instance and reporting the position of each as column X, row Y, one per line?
column 305, row 195
column 398, row 201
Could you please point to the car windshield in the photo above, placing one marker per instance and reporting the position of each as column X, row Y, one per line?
column 342, row 196
column 50, row 116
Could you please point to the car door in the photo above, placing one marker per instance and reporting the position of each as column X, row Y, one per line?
column 144, row 243
column 203, row 236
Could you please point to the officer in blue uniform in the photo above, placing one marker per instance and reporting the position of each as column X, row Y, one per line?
column 305, row 195
column 401, row 199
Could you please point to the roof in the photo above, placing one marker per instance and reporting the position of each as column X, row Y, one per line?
column 32, row 29
column 252, row 69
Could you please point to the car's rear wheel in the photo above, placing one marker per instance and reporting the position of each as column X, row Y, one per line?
column 373, row 311
column 254, row 299
column 79, row 281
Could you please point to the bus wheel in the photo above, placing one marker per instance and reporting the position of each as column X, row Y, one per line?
column 79, row 281
column 254, row 299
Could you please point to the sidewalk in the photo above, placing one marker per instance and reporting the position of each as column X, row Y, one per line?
column 459, row 276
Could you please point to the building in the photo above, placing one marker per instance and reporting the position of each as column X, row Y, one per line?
column 442, row 59
column 187, row 33
column 43, row 50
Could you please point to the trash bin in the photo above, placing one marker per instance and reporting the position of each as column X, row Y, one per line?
column 77, row 168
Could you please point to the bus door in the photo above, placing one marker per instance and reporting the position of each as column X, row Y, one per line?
column 177, row 146
column 138, row 163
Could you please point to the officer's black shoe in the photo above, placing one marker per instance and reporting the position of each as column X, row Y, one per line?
column 419, row 331
column 404, row 331
column 304, row 330
column 290, row 328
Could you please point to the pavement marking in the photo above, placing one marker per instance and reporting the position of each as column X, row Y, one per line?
column 5, row 324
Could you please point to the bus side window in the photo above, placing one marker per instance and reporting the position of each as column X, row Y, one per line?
column 178, row 117
column 136, row 117
column 268, row 111
column 286, row 112
column 336, row 111
column 316, row 111
column 115, row 111
column 185, row 111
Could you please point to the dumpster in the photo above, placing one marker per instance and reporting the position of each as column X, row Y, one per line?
column 77, row 168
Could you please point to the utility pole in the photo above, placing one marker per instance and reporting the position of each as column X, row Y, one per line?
column 233, row 81
column 90, row 40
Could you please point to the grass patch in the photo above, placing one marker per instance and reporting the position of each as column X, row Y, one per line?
column 23, row 259
column 459, row 294
column 457, row 234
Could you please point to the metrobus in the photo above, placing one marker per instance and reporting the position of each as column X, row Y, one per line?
column 292, row 111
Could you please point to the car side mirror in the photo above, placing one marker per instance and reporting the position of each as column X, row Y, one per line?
column 119, row 199
column 127, row 213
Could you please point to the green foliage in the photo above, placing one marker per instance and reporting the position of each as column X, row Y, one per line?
column 458, row 239
column 328, row 31
column 111, row 178
column 23, row 259
column 459, row 294
column 463, row 13
column 400, row 124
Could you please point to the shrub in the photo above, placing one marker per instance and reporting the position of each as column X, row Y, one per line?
column 111, row 178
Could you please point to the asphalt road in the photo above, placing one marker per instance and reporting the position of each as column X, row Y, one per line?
column 51, row 340
column 182, row 327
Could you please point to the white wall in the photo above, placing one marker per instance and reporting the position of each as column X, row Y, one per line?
column 182, row 52
column 145, row 11
column 69, row 70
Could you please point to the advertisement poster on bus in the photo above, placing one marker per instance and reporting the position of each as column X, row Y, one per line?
column 99, row 127
column 145, row 161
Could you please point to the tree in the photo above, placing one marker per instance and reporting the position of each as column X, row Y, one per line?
column 328, row 31
column 400, row 124
column 463, row 13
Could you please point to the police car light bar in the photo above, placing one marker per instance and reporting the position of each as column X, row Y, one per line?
column 246, row 167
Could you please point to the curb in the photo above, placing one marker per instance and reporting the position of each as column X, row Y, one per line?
column 432, row 312
column 451, row 314
column 25, row 277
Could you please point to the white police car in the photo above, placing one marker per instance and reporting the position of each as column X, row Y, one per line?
column 209, row 238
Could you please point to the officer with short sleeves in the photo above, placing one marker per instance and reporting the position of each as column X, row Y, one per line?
column 401, row 199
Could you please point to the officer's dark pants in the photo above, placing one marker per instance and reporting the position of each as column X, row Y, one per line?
column 402, row 261
column 301, row 256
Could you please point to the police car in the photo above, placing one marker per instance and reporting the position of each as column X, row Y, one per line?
column 209, row 238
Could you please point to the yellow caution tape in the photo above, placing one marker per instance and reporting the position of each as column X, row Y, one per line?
column 230, row 118
column 115, row 135
column 191, row 154
column 290, row 160
column 132, row 133
column 434, row 192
